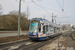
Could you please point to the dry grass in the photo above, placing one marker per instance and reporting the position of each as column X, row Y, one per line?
column 12, row 38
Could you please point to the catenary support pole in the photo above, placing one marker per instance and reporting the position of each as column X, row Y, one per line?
column 52, row 18
column 19, row 18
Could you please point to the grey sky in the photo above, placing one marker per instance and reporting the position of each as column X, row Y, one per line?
column 48, row 5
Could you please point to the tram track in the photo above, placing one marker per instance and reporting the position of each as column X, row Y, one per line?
column 2, row 46
column 35, row 46
column 30, row 45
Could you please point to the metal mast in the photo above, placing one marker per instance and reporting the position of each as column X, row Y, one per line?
column 19, row 18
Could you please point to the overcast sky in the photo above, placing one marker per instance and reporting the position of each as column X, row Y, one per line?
column 45, row 8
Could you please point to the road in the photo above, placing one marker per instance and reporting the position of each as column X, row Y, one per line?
column 6, row 34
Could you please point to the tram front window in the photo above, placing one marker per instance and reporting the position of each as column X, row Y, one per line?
column 33, row 27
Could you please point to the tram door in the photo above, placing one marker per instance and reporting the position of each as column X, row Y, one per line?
column 55, row 30
column 44, row 29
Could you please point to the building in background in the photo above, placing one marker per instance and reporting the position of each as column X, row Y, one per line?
column 68, row 27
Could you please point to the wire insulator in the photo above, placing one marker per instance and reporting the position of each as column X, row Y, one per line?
column 62, row 9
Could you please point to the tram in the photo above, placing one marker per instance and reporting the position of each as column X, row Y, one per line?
column 41, row 29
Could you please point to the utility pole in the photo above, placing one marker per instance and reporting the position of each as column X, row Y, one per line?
column 19, row 18
column 52, row 18
column 55, row 19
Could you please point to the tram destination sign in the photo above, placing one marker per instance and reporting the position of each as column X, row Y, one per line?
column 35, row 21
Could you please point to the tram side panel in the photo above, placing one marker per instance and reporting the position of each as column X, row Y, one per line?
column 52, row 31
column 43, row 31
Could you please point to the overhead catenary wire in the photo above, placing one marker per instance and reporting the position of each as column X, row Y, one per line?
column 47, row 7
column 63, row 6
column 62, row 9
column 41, row 7
column 62, row 17
column 22, row 1
column 16, row 0
column 59, row 5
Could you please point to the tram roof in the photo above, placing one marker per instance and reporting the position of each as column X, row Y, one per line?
column 40, row 19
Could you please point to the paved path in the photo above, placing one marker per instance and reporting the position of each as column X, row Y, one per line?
column 11, row 34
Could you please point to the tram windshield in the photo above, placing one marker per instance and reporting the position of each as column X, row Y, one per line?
column 33, row 27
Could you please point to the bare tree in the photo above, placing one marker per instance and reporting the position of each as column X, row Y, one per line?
column 10, row 21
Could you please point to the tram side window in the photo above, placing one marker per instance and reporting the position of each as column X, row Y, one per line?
column 54, row 29
column 44, row 29
column 47, row 28
column 51, row 28
column 59, row 29
column 39, row 27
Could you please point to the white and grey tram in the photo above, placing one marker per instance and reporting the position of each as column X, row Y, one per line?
column 41, row 29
